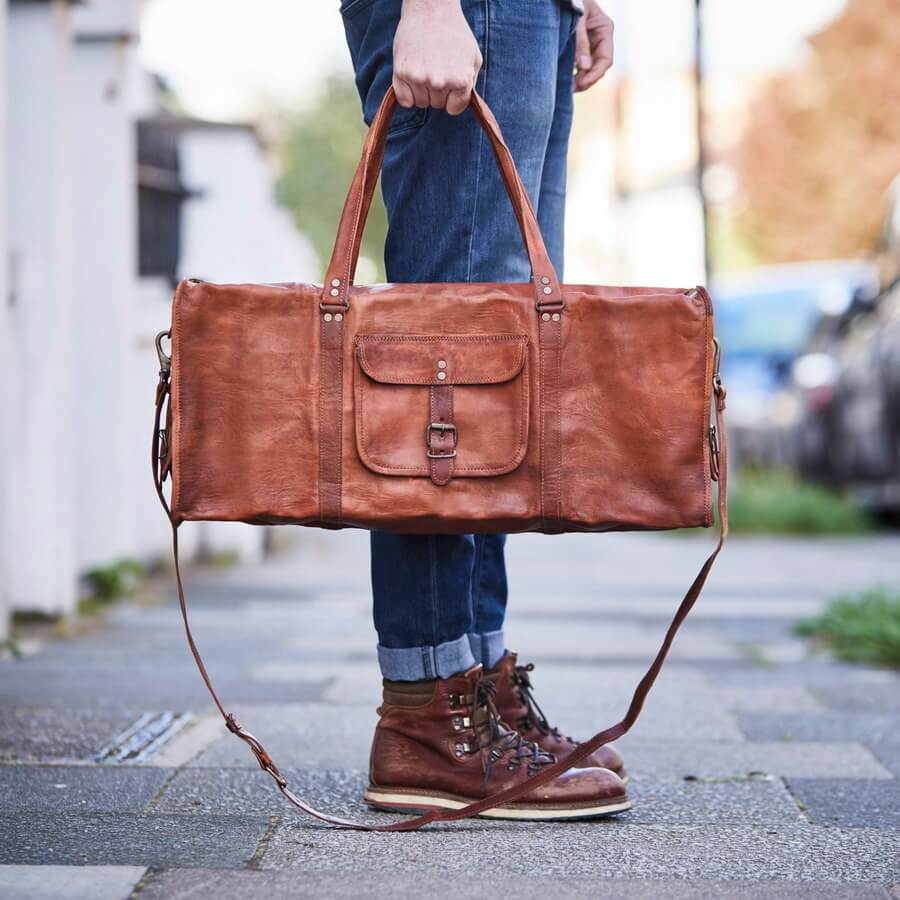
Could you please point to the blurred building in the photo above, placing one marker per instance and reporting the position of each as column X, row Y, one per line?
column 634, row 211
column 109, row 199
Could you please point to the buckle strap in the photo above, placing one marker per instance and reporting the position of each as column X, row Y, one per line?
column 548, row 772
column 441, row 434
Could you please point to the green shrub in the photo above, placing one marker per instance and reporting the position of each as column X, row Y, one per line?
column 115, row 580
column 863, row 627
column 777, row 502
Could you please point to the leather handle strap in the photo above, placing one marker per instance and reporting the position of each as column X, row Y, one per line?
column 548, row 773
column 342, row 267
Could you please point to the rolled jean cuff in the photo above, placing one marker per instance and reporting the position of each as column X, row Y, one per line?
column 488, row 648
column 419, row 663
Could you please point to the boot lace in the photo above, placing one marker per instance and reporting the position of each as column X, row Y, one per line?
column 535, row 717
column 499, row 741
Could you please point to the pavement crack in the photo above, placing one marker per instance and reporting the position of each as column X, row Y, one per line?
column 143, row 881
column 154, row 800
column 263, row 845
column 801, row 805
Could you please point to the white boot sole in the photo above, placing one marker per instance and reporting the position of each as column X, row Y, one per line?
column 413, row 802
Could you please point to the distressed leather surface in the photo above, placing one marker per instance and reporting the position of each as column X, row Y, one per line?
column 406, row 383
column 635, row 376
column 568, row 407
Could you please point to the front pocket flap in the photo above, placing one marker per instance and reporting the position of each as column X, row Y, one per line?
column 441, row 358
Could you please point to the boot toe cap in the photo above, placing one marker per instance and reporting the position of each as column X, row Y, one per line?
column 586, row 785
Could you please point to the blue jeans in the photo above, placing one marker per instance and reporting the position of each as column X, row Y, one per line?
column 440, row 600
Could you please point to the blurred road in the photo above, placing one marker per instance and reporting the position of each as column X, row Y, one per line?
column 759, row 771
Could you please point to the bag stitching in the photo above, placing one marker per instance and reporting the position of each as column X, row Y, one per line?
column 500, row 469
column 475, row 339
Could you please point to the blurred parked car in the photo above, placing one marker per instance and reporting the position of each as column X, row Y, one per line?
column 765, row 319
column 848, row 386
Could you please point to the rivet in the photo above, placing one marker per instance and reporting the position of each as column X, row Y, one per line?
column 555, row 317
column 327, row 317
column 339, row 317
column 442, row 375
column 335, row 282
column 545, row 279
column 545, row 317
column 334, row 292
column 442, row 364
column 546, row 290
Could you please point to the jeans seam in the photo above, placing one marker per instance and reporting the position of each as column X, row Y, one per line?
column 484, row 68
column 476, row 584
column 432, row 578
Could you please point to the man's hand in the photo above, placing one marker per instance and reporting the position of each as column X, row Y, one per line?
column 436, row 56
column 593, row 46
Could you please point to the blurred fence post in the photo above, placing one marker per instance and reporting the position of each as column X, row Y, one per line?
column 4, row 339
column 43, row 377
column 104, row 191
column 701, row 135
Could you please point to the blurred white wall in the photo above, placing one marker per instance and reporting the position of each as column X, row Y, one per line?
column 103, row 160
column 4, row 334
column 76, row 337
column 40, row 550
column 233, row 228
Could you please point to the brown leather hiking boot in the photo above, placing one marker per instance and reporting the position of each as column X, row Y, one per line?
column 518, row 709
column 441, row 744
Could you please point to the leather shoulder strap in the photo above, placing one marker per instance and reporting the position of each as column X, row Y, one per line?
column 512, row 794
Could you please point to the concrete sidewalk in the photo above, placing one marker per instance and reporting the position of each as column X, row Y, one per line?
column 758, row 771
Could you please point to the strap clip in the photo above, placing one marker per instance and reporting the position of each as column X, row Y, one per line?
column 165, row 361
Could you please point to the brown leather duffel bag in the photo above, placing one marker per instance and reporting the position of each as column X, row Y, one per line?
column 442, row 408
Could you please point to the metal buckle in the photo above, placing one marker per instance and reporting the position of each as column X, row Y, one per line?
column 165, row 361
column 442, row 428
column 718, row 386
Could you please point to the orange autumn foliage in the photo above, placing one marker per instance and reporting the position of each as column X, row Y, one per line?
column 823, row 141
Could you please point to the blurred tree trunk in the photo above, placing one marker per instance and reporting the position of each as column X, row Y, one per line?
column 823, row 141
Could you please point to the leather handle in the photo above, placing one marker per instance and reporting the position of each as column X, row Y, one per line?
column 342, row 267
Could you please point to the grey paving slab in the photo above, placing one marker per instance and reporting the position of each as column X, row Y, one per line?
column 612, row 640
column 177, row 686
column 197, row 884
column 315, row 736
column 610, row 849
column 862, row 804
column 784, row 699
column 107, row 788
column 821, row 726
column 801, row 759
column 291, row 647
column 856, row 697
column 888, row 754
column 814, row 674
column 655, row 615
column 71, row 882
column 250, row 790
column 232, row 791
column 35, row 733
column 126, row 839
column 750, row 801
